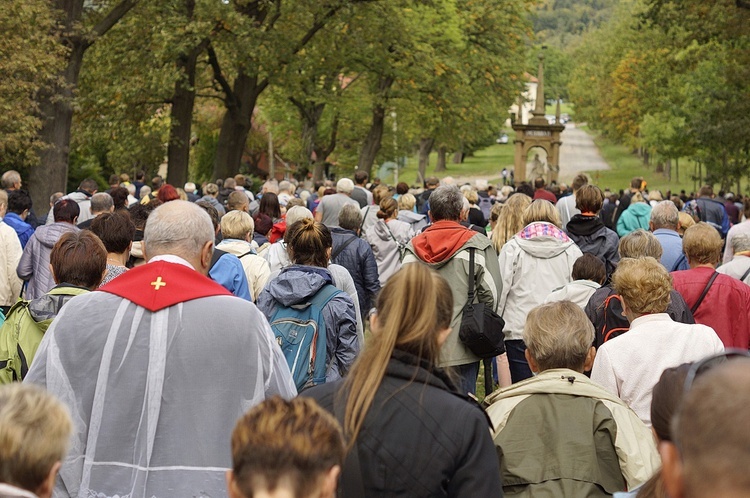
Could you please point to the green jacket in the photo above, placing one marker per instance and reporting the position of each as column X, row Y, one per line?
column 444, row 247
column 24, row 328
column 560, row 434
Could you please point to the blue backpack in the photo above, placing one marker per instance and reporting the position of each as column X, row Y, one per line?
column 300, row 330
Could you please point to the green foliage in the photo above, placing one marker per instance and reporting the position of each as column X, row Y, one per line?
column 30, row 59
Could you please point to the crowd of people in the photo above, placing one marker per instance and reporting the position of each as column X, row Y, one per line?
column 304, row 340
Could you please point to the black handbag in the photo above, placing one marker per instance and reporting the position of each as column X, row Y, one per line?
column 481, row 328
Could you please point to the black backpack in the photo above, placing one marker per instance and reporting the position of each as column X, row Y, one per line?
column 615, row 323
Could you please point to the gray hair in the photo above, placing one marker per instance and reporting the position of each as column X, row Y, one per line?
column 558, row 335
column 10, row 178
column 741, row 243
column 178, row 227
column 285, row 186
column 101, row 202
column 350, row 217
column 190, row 187
column 131, row 188
column 145, row 190
column 665, row 215
column 446, row 203
column 297, row 213
column 345, row 186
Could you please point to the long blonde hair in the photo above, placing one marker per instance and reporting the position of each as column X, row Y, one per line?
column 413, row 307
column 510, row 221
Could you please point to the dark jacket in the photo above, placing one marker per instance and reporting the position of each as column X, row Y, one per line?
column 358, row 259
column 591, row 236
column 678, row 310
column 421, row 438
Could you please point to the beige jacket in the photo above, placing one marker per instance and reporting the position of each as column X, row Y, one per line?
column 10, row 255
column 256, row 268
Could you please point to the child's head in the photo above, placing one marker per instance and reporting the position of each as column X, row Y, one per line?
column 589, row 267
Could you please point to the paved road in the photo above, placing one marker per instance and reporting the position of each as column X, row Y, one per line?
column 578, row 153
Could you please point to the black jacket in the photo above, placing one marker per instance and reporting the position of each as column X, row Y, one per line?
column 358, row 259
column 591, row 236
column 421, row 438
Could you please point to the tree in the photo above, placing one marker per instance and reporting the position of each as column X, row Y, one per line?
column 80, row 25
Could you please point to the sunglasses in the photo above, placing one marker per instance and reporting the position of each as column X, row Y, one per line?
column 702, row 366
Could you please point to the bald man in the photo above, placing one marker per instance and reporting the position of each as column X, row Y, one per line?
column 157, row 367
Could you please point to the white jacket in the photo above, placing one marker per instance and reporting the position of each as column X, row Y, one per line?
column 532, row 266
column 257, row 269
column 10, row 255
column 386, row 242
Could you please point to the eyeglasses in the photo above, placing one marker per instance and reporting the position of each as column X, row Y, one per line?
column 710, row 362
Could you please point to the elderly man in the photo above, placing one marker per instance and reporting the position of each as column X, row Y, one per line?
column 330, row 205
column 445, row 246
column 716, row 300
column 559, row 433
column 711, row 445
column 355, row 254
column 157, row 367
column 665, row 223
column 739, row 267
column 101, row 203
column 11, row 182
column 629, row 365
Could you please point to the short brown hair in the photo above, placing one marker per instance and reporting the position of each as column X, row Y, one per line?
column 308, row 242
column 66, row 210
column 589, row 267
column 639, row 244
column 295, row 441
column 589, row 199
column 579, row 181
column 702, row 244
column 79, row 258
column 115, row 230
column 643, row 284
column 558, row 335
column 236, row 200
column 34, row 432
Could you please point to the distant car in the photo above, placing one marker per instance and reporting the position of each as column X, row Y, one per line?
column 550, row 118
column 502, row 139
column 564, row 117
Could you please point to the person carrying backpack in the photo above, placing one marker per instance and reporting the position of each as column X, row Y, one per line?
column 78, row 262
column 314, row 323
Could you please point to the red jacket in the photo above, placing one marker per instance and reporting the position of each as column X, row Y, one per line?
column 726, row 307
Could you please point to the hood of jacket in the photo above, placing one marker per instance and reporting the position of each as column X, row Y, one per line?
column 49, row 305
column 442, row 240
column 410, row 216
column 584, row 225
column 236, row 247
column 640, row 209
column 79, row 196
column 295, row 284
column 542, row 240
column 48, row 235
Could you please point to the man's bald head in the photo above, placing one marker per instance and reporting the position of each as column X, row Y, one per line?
column 711, row 436
column 180, row 228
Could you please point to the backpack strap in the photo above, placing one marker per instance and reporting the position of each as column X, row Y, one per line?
column 678, row 262
column 324, row 295
column 744, row 276
column 705, row 291
column 246, row 254
column 218, row 253
column 341, row 248
column 364, row 218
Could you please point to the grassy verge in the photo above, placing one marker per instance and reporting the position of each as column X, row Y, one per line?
column 564, row 107
column 487, row 162
column 625, row 165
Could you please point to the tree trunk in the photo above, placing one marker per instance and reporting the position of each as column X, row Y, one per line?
column 322, row 152
column 235, row 126
column 371, row 144
column 56, row 109
column 310, row 114
column 441, row 159
column 425, row 147
column 180, row 131
column 677, row 170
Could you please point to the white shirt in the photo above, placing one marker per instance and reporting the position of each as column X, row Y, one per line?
column 630, row 365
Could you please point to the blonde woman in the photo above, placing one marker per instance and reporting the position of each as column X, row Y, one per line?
column 413, row 434
column 536, row 261
column 407, row 213
column 510, row 220
column 387, row 237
